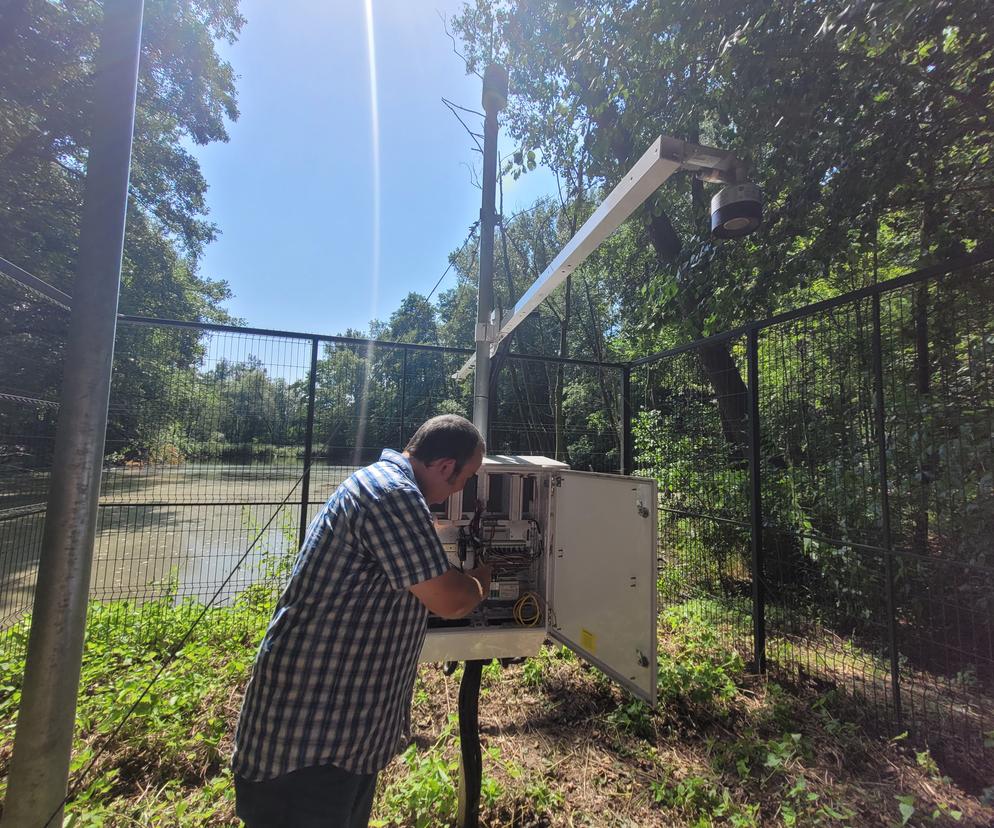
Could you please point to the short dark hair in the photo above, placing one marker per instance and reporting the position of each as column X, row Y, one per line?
column 445, row 436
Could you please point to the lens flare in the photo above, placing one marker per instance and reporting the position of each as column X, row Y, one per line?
column 374, row 113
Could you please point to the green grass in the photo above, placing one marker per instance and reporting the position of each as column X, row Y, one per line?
column 723, row 748
column 178, row 732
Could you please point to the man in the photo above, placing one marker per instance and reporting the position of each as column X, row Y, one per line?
column 329, row 701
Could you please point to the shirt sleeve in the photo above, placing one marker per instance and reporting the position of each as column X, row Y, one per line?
column 399, row 534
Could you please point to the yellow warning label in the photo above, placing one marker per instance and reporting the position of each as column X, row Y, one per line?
column 588, row 641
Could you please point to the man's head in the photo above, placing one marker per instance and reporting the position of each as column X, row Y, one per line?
column 445, row 452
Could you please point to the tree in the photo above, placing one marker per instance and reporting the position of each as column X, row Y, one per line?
column 540, row 408
column 185, row 93
column 859, row 120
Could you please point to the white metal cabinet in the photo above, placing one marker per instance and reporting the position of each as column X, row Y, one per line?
column 603, row 574
column 593, row 538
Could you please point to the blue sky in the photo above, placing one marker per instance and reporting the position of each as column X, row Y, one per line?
column 293, row 190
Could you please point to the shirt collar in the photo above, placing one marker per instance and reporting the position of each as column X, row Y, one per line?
column 401, row 462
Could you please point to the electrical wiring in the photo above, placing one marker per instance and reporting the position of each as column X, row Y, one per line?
column 520, row 611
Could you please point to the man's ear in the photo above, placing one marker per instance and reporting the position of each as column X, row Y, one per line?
column 446, row 467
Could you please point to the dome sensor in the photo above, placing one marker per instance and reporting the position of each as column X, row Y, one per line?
column 736, row 211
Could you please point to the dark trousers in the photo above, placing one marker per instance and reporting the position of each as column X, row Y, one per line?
column 318, row 797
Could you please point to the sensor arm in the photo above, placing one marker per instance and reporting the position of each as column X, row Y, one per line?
column 665, row 157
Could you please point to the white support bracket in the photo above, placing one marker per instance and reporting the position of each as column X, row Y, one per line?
column 665, row 157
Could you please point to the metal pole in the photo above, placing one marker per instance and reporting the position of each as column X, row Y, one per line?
column 756, row 506
column 627, row 443
column 403, row 401
column 305, row 491
column 878, row 411
column 40, row 764
column 471, row 766
column 494, row 100
column 471, row 763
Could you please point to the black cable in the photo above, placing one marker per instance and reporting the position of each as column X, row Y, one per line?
column 74, row 788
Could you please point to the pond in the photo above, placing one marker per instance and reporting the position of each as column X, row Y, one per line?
column 174, row 530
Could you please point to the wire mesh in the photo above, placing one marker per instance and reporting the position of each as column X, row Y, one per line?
column 690, row 434
column 210, row 428
column 34, row 329
column 824, row 552
column 875, row 496
column 937, row 352
column 569, row 412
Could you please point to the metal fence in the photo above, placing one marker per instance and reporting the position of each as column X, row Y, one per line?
column 844, row 452
column 826, row 496
column 211, row 427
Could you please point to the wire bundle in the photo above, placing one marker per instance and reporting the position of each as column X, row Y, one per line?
column 527, row 611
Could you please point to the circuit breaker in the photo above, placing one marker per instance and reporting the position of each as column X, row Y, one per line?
column 573, row 556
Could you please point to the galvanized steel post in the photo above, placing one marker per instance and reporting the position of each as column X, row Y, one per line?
column 40, row 764
column 494, row 100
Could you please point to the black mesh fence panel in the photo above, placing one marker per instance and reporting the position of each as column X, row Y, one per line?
column 938, row 357
column 823, row 569
column 690, row 433
column 874, row 452
column 867, row 437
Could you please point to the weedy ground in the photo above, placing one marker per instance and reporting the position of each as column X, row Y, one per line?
column 563, row 746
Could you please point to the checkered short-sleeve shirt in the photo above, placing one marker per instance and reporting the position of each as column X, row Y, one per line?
column 333, row 679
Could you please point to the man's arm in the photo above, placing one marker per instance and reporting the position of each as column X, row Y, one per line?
column 454, row 594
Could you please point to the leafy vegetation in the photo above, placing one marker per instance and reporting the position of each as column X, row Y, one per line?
column 561, row 744
column 868, row 128
column 186, row 93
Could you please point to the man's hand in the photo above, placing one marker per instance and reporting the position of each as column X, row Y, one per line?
column 454, row 594
column 482, row 574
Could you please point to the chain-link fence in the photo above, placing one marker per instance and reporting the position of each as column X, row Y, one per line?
column 845, row 453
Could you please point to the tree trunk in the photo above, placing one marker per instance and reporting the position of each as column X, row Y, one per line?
column 721, row 370
column 596, row 334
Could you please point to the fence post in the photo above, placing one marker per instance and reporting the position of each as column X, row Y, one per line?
column 403, row 400
column 305, row 490
column 627, row 443
column 40, row 765
column 756, row 505
column 881, row 425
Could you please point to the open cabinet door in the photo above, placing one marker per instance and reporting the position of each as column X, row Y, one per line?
column 603, row 574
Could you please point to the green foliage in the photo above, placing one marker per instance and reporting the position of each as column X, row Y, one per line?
column 167, row 766
column 542, row 798
column 426, row 795
column 176, row 730
column 47, row 55
column 492, row 673
column 635, row 718
column 827, row 101
column 703, row 802
column 699, row 670
column 535, row 671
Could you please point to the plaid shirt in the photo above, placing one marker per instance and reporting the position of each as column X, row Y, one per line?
column 333, row 679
